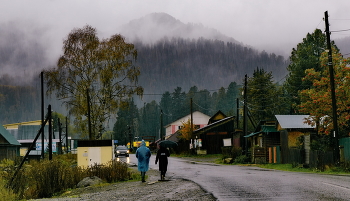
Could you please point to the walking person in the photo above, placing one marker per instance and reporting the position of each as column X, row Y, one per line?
column 143, row 155
column 162, row 155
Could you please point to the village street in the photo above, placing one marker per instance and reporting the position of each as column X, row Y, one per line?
column 232, row 182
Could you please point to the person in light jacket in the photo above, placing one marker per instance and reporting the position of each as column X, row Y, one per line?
column 143, row 155
column 162, row 156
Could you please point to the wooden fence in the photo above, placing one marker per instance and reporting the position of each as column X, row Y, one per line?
column 317, row 159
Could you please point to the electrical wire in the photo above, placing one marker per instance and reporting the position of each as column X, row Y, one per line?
column 340, row 30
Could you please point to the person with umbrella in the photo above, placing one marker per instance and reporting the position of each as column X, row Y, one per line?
column 143, row 155
column 162, row 155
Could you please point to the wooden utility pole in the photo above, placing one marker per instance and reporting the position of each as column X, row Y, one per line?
column 161, row 124
column 66, row 134
column 237, row 111
column 42, row 116
column 245, row 113
column 49, row 114
column 59, row 136
column 130, row 138
column 89, row 113
column 191, row 119
column 331, row 79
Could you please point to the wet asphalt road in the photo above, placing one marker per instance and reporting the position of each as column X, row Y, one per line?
column 231, row 182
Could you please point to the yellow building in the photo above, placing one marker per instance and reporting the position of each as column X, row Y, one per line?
column 28, row 123
column 91, row 152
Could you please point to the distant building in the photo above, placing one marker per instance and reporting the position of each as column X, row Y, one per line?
column 9, row 146
column 25, row 133
column 220, row 129
column 199, row 121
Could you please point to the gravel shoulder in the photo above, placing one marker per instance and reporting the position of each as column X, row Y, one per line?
column 152, row 189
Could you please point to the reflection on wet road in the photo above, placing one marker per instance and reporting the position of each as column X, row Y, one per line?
column 123, row 159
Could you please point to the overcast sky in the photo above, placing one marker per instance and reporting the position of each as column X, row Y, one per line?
column 264, row 24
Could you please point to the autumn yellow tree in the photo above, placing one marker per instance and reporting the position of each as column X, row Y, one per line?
column 317, row 101
column 94, row 77
column 186, row 131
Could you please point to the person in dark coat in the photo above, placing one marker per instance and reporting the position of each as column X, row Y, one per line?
column 143, row 154
column 162, row 155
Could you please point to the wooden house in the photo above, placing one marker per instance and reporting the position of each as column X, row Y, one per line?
column 199, row 120
column 264, row 143
column 278, row 141
column 9, row 146
column 219, row 129
column 293, row 128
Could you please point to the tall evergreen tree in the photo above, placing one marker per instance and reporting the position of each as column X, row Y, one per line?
column 179, row 108
column 261, row 93
column 205, row 102
column 231, row 95
column 127, row 116
column 305, row 56
column 151, row 120
column 165, row 106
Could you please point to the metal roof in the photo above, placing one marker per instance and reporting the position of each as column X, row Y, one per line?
column 213, row 124
column 293, row 121
column 8, row 137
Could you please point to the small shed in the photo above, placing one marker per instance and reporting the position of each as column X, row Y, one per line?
column 9, row 146
column 91, row 152
column 265, row 143
column 291, row 128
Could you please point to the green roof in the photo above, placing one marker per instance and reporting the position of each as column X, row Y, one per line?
column 8, row 137
column 264, row 129
column 268, row 129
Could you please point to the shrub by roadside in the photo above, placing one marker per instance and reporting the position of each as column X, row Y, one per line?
column 39, row 179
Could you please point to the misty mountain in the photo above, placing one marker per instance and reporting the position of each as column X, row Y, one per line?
column 172, row 54
column 205, row 63
column 155, row 26
column 22, row 53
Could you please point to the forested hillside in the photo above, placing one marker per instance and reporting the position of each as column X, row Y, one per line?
column 18, row 104
column 204, row 63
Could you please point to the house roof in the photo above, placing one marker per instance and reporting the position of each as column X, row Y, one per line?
column 217, row 116
column 174, row 136
column 197, row 116
column 15, row 125
column 8, row 137
column 216, row 123
column 293, row 121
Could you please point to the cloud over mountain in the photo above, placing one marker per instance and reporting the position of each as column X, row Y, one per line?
column 155, row 26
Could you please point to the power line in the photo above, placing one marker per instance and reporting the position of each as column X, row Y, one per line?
column 341, row 30
column 201, row 106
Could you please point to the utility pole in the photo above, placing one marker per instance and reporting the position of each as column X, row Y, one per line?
column 245, row 113
column 161, row 124
column 130, row 138
column 66, row 134
column 191, row 119
column 49, row 114
column 89, row 113
column 59, row 136
column 237, row 111
column 42, row 116
column 334, row 101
